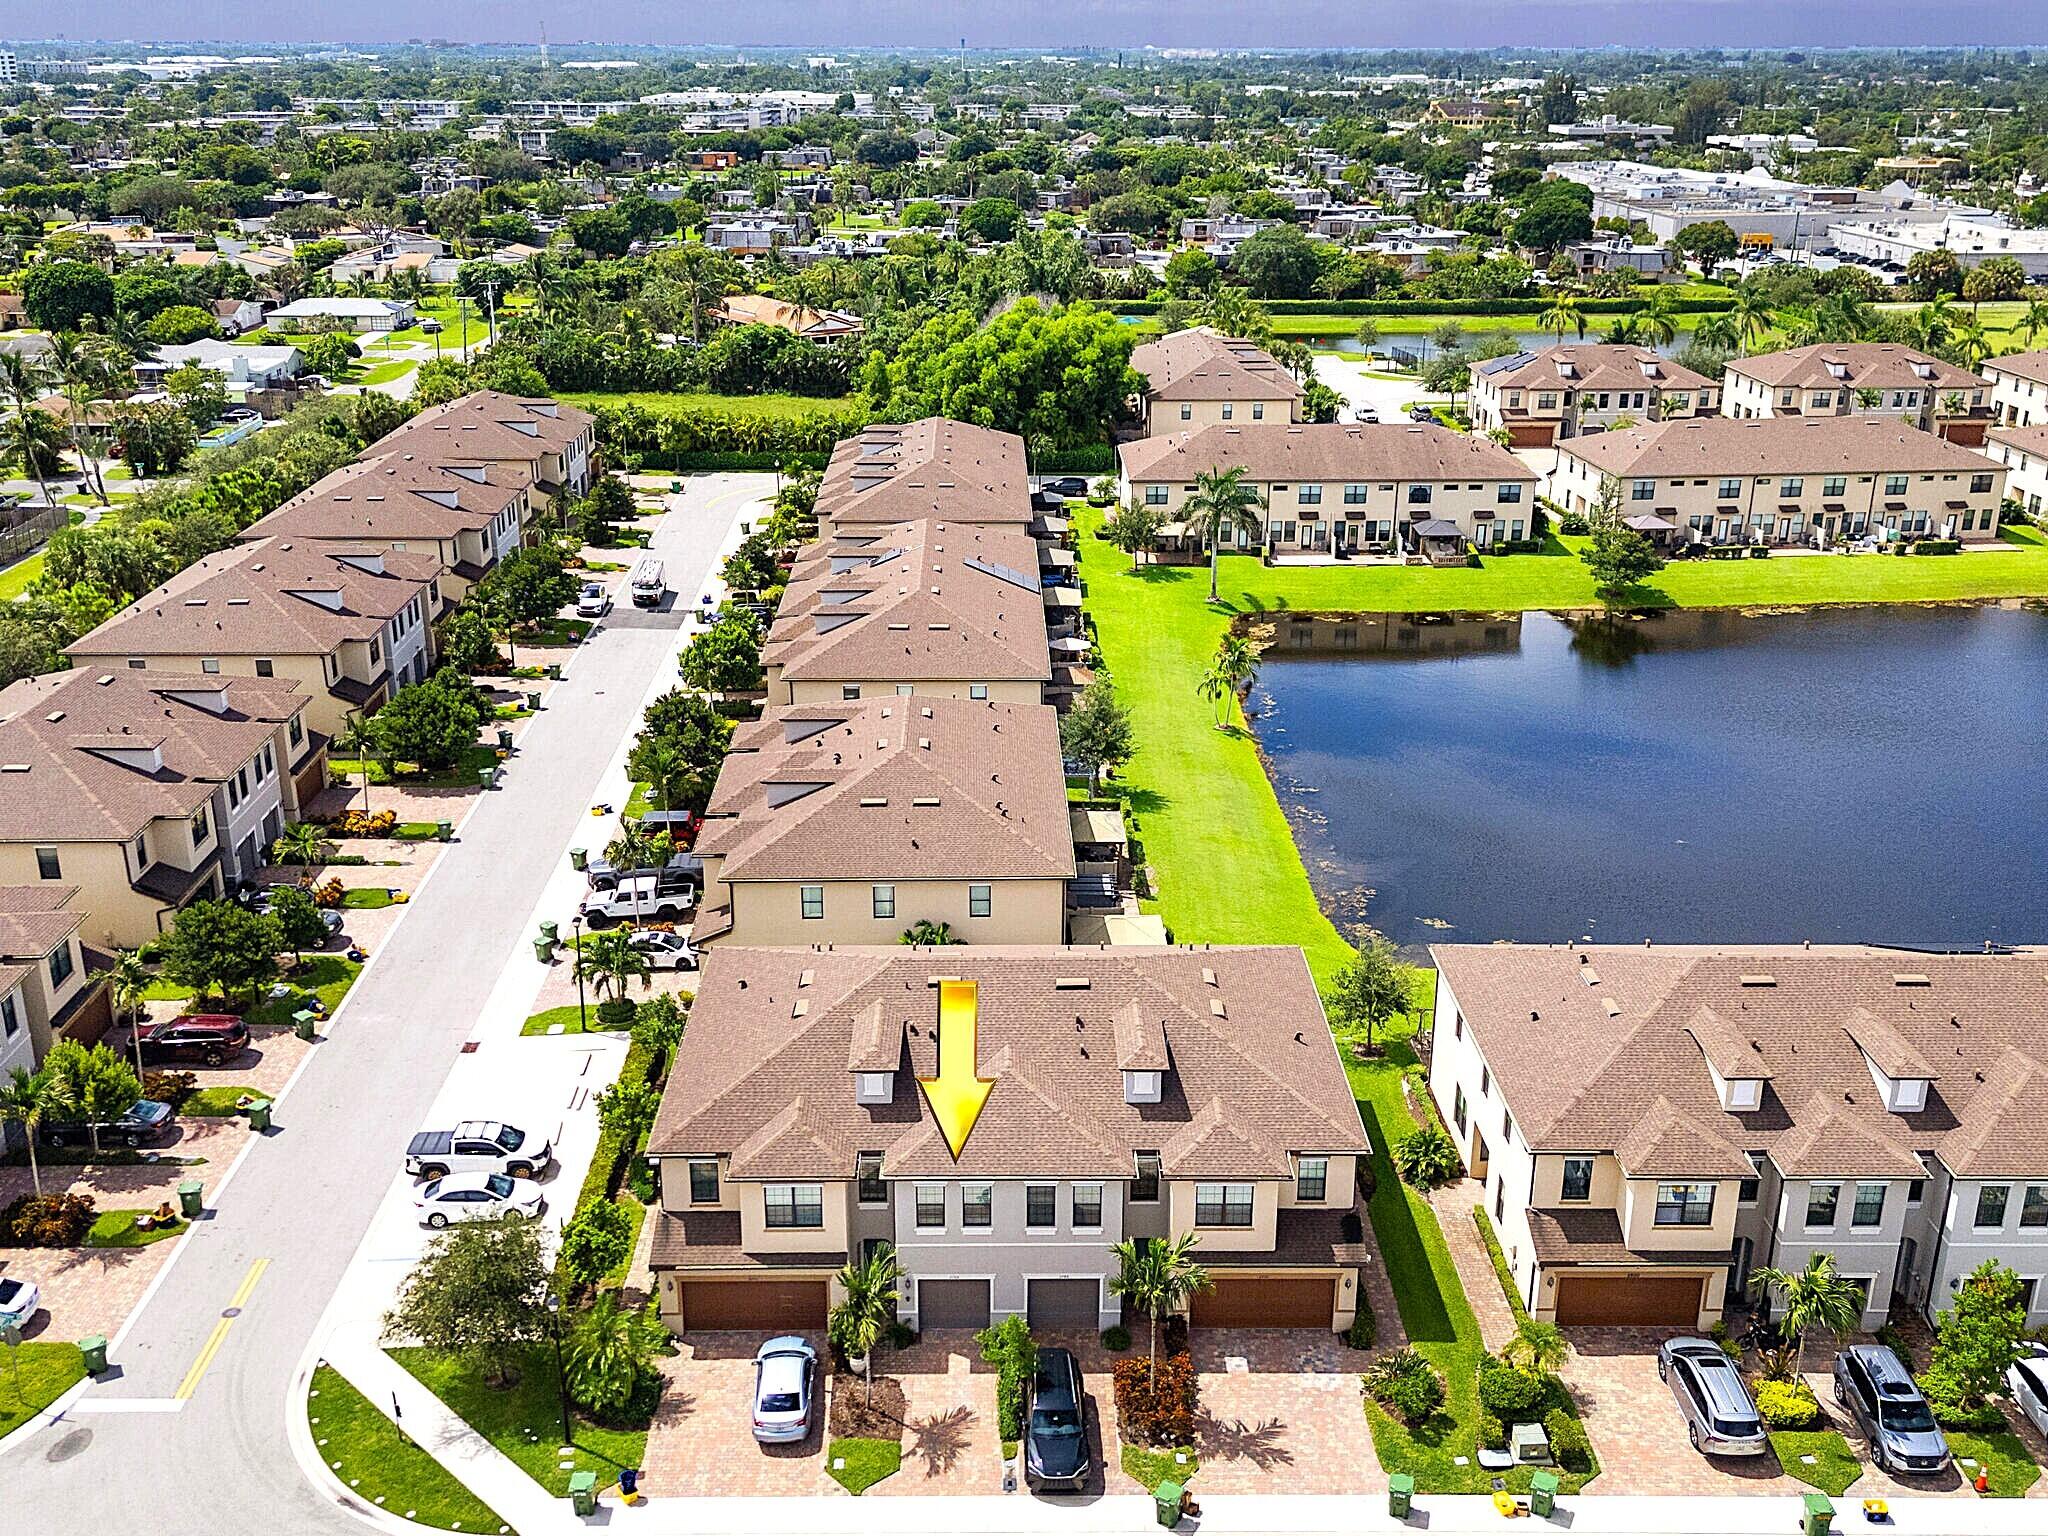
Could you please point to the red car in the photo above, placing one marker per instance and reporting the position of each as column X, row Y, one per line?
column 208, row 1037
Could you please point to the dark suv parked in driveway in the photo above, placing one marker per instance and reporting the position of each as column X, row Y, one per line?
column 1056, row 1441
column 145, row 1121
column 208, row 1037
column 1883, row 1398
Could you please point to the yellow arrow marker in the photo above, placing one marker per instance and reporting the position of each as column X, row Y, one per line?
column 956, row 1095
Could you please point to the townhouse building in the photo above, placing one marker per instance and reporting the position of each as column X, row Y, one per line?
column 1651, row 1125
column 924, row 609
column 554, row 445
column 1860, row 378
column 2024, row 453
column 350, row 626
column 954, row 472
column 467, row 516
column 1196, row 378
column 47, row 988
column 1555, row 392
column 850, row 822
column 147, row 791
column 1341, row 487
column 2019, row 389
column 1130, row 1093
column 1785, row 480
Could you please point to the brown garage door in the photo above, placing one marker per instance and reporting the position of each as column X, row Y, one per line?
column 753, row 1304
column 1530, row 434
column 1244, row 1302
column 1064, row 1304
column 1632, row 1300
column 952, row 1304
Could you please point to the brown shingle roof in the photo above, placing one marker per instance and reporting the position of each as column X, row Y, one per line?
column 1854, row 365
column 1593, row 1236
column 930, row 468
column 1578, row 1078
column 1593, row 365
column 35, row 919
column 711, row 1240
column 1772, row 445
column 1247, row 1087
column 1200, row 364
column 396, row 495
column 910, row 788
column 1332, row 451
column 488, row 425
column 2020, row 365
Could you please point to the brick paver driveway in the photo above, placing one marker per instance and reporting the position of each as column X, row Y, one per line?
column 84, row 1290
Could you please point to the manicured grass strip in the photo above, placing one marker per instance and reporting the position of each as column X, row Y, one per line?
column 161, row 991
column 327, row 977
column 2002, row 1456
column 544, row 1022
column 731, row 407
column 868, row 1462
column 524, row 1420
column 416, row 831
column 1834, row 1466
column 636, row 1217
column 35, row 1377
column 117, row 1229
column 366, row 898
column 637, row 803
column 20, row 576
column 461, row 776
column 382, row 1466
column 219, row 1102
column 1500, row 1263
column 1149, row 1468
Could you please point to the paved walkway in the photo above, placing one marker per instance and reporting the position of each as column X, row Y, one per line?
column 1453, row 1205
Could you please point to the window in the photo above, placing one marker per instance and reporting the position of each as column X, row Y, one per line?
column 1834, row 485
column 1418, row 495
column 1895, row 485
column 977, row 1206
column 885, row 901
column 1354, row 495
column 1685, row 1205
column 1227, row 412
column 1979, row 484
column 905, row 690
column 1991, row 1205
column 1508, row 495
column 813, row 899
column 1791, row 487
column 264, row 667
column 1041, row 1206
column 1577, row 1183
column 1822, row 1200
column 1145, row 1181
column 48, row 865
column 849, row 690
column 1642, row 490
column 1729, row 490
column 867, row 1178
column 210, row 665
column 200, row 826
column 1485, row 1081
column 1308, row 495
column 10, row 1018
column 1458, row 1108
column 1258, row 410
column 137, row 664
column 1746, row 1192
column 980, row 900
column 296, row 729
column 977, row 690
column 2034, row 1206
column 60, row 964
column 1155, row 495
column 931, row 1207
column 1916, row 1191
column 704, row 1183
column 1312, row 1180
column 1087, row 1207
column 1868, row 1210
column 1187, row 411
column 1223, row 1205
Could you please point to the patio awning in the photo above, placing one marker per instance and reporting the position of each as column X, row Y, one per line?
column 1959, row 506
column 1790, row 506
column 1833, row 506
column 1438, row 528
column 1092, row 824
column 1173, row 530
column 1054, row 524
column 1729, row 509
column 1895, row 506
column 1056, row 557
column 1115, row 928
column 1070, row 645
column 1062, row 597
column 1645, row 522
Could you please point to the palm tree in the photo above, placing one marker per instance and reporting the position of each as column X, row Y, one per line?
column 2033, row 319
column 1933, row 321
column 1563, row 315
column 357, row 740
column 611, row 964
column 1752, row 317
column 1718, row 331
column 868, row 1308
column 23, row 1099
column 81, row 369
column 1159, row 1277
column 21, row 380
column 1230, row 672
column 301, row 842
column 1537, row 1346
column 1655, row 322
column 1970, row 344
column 633, row 848
column 128, row 979
column 1818, row 1296
column 608, row 1350
column 667, row 770
column 1223, row 504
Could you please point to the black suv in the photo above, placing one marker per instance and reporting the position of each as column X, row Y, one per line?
column 146, row 1121
column 1056, row 1441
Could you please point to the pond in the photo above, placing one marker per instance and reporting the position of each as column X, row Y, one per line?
column 1855, row 774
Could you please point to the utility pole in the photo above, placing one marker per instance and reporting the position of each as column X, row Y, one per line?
column 462, row 318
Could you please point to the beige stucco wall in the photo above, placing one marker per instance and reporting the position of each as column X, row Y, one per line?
column 1021, row 912
column 1259, row 1237
column 831, row 690
column 1163, row 417
column 117, row 915
column 1638, row 1219
column 1339, row 1187
column 757, row 1235
column 324, row 712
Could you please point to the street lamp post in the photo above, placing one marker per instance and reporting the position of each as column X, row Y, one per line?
column 576, row 927
column 561, row 1381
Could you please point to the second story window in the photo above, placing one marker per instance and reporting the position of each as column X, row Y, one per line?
column 1087, row 1207
column 867, row 1174
column 1991, row 1201
column 200, row 826
column 1729, row 490
column 265, row 667
column 1508, row 494
column 1642, row 490
column 1312, row 1180
column 1868, row 1210
column 1223, row 1205
column 1821, row 1203
column 885, row 901
column 1747, row 1191
column 48, row 865
column 1145, row 1180
column 703, row 1182
column 812, row 899
column 1685, row 1205
column 1041, row 1207
column 1577, row 1183
column 1308, row 495
column 2034, row 1206
column 980, row 900
column 931, row 1207
column 1156, row 495
column 1979, row 484
column 977, row 1206
column 60, row 964
column 794, row 1205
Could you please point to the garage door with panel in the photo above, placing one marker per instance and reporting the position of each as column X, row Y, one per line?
column 1065, row 1304
column 1642, row 1301
column 952, row 1304
column 753, row 1304
column 1295, row 1301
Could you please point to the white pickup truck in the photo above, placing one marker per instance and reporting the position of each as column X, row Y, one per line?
column 477, row 1146
column 640, row 899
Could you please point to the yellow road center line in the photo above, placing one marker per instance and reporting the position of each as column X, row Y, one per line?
column 219, row 1335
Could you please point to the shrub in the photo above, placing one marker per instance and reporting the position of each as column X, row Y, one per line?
column 1365, row 1328
column 172, row 1088
column 328, row 894
column 1009, row 1348
column 1574, row 523
column 1493, row 1434
column 616, row 1011
column 1156, row 1410
column 47, row 1221
column 1938, row 547
column 1787, row 1405
column 1509, row 1391
column 1569, row 1447
column 594, row 1242
column 362, row 824
column 1426, row 1158
column 1406, row 1385
column 1950, row 1403
column 1116, row 1338
column 900, row 1335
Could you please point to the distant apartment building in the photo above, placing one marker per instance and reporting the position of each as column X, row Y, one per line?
column 554, row 445
column 2019, row 388
column 47, row 990
column 356, row 314
column 931, row 468
column 1197, row 378
column 1557, row 392
column 1860, row 378
column 2024, row 453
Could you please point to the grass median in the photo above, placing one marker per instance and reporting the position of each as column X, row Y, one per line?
column 380, row 1464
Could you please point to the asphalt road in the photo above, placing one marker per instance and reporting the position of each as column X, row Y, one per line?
column 300, row 1203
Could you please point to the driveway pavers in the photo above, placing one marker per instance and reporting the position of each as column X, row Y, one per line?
column 703, row 1440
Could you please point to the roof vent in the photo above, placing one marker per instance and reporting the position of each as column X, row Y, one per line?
column 874, row 799
column 1910, row 979
column 1070, row 983
column 1759, row 981
column 1216, row 1008
column 1613, row 1008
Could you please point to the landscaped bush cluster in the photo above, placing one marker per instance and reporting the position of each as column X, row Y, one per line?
column 662, row 438
column 47, row 1221
column 1574, row 523
column 594, row 1241
column 1938, row 547
column 1008, row 1346
column 1364, row 1331
column 1406, row 1385
column 172, row 1088
column 1426, row 1158
column 1569, row 1446
column 1116, row 1338
column 1156, row 1410
column 362, row 824
column 1512, row 1393
column 1787, row 1405
column 1950, row 1403
column 327, row 894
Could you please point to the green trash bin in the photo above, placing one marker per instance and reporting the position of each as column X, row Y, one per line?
column 583, row 1492
column 579, row 858
column 1400, row 1495
column 533, row 698
column 190, row 1200
column 544, row 950
column 1166, row 1503
column 554, row 670
column 304, row 1023
column 443, row 830
column 486, row 777
column 94, row 1348
column 675, row 487
column 259, row 1115
column 1543, row 1494
column 549, row 931
column 1820, row 1515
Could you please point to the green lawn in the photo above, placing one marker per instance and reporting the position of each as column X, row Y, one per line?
column 545, row 1021
column 117, row 1229
column 461, row 775
column 524, row 1420
column 368, row 898
column 2003, row 1456
column 219, row 1102
column 637, row 803
column 382, row 1465
column 868, row 1462
column 768, row 407
column 20, row 576
column 384, row 373
column 636, row 1216
column 1149, row 1468
column 326, row 976
column 1834, row 1467
column 33, row 1376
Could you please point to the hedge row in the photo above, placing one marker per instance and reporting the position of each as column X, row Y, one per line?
column 1093, row 459
column 608, row 1162
column 653, row 461
column 1450, row 309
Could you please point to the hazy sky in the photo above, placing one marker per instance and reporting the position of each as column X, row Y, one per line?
column 1052, row 24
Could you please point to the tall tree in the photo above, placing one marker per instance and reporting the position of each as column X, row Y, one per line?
column 1816, row 1297
column 480, row 1293
column 1158, row 1276
column 1370, row 988
column 1224, row 505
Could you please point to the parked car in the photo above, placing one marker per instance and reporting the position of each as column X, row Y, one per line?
column 1720, row 1420
column 1881, row 1395
column 1056, row 1439
column 594, row 601
column 683, row 826
column 19, row 1300
column 665, row 951
column 1366, row 413
column 648, row 583
column 146, row 1120
column 479, row 1197
column 1421, row 413
column 1047, row 501
column 1065, row 485
column 783, row 1369
column 477, row 1146
column 208, row 1037
column 2026, row 1379
column 637, row 898
column 684, row 872
column 329, row 917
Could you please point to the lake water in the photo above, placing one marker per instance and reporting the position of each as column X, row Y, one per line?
column 1873, row 774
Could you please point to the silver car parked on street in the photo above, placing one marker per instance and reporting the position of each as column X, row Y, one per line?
column 1720, row 1420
